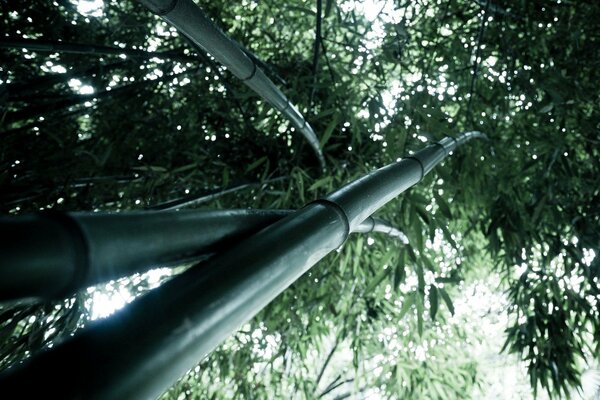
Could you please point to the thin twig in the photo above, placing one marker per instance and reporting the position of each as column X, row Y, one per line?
column 317, row 48
column 476, row 63
column 333, row 385
column 208, row 196
column 84, row 48
column 327, row 360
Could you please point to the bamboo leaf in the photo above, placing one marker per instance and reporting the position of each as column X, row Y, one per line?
column 448, row 235
column 377, row 280
column 419, row 304
column 547, row 108
column 428, row 262
column 420, row 278
column 400, row 271
column 409, row 300
column 447, row 300
column 329, row 130
column 225, row 177
column 433, row 301
column 256, row 164
column 323, row 182
column 442, row 205
column 416, row 228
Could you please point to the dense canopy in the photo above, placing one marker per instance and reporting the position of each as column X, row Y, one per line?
column 105, row 107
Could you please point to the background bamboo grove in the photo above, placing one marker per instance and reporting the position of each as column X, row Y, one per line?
column 105, row 107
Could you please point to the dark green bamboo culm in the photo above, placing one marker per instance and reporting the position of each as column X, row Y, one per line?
column 191, row 21
column 142, row 350
column 52, row 255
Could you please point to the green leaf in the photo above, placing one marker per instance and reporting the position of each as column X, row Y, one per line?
column 547, row 108
column 433, row 301
column 409, row 300
column 447, row 300
column 419, row 198
column 447, row 235
column 323, row 182
column 225, row 177
column 256, row 164
column 428, row 264
column 442, row 205
column 377, row 280
column 419, row 304
column 420, row 278
column 400, row 271
column 329, row 130
column 417, row 229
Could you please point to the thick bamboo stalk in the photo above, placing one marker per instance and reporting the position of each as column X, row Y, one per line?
column 53, row 255
column 139, row 352
column 191, row 21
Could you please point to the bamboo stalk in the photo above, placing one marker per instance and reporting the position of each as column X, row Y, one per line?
column 191, row 21
column 54, row 255
column 139, row 352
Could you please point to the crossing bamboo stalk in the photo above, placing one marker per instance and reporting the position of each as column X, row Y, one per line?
column 143, row 349
column 53, row 255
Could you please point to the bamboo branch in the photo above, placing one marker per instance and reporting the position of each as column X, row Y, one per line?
column 210, row 195
column 327, row 360
column 334, row 385
column 372, row 224
column 88, row 49
column 348, row 394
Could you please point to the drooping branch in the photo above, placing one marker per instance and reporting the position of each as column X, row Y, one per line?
column 191, row 21
column 334, row 385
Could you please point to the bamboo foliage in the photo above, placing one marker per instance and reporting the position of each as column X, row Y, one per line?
column 182, row 321
column 191, row 21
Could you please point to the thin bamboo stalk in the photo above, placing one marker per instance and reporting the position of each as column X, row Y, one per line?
column 194, row 200
column 191, row 21
column 88, row 49
column 142, row 350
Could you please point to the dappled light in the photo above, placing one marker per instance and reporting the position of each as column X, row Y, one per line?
column 480, row 281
